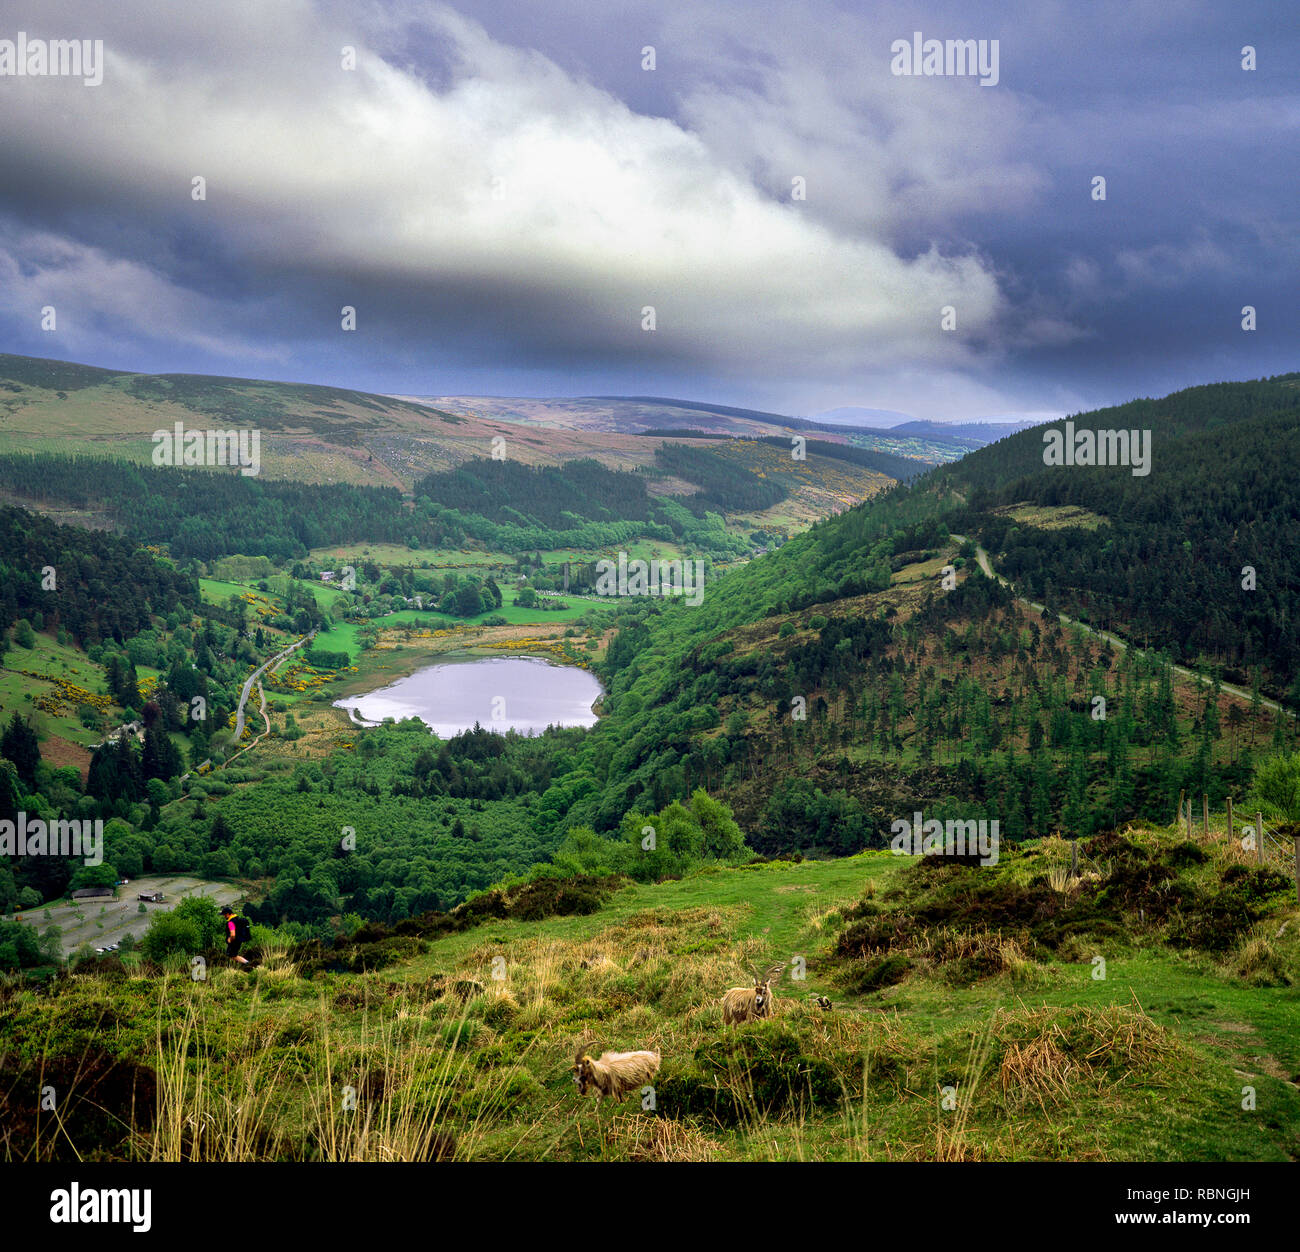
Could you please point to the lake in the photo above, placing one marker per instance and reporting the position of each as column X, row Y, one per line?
column 521, row 693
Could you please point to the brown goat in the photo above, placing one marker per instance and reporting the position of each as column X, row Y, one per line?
column 615, row 1073
column 747, row 1004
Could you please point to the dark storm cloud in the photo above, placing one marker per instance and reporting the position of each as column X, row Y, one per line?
column 499, row 190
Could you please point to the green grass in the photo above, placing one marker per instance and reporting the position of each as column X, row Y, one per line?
column 218, row 591
column 1046, row 1061
column 61, row 661
column 470, row 559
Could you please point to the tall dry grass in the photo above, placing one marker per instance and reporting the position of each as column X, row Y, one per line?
column 382, row 1093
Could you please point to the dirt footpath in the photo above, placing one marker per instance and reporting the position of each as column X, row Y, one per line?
column 106, row 921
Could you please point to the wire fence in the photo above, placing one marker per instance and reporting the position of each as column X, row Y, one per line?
column 1275, row 846
column 1265, row 844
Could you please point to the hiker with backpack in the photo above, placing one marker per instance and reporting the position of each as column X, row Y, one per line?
column 238, row 933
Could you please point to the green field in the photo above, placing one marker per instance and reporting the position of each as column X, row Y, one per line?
column 17, row 690
column 218, row 591
column 389, row 554
column 341, row 637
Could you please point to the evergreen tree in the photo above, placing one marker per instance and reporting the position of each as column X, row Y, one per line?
column 19, row 745
column 10, row 792
column 160, row 758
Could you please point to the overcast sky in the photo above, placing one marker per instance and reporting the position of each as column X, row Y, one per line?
column 499, row 188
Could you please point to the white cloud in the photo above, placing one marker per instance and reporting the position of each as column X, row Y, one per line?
column 890, row 155
column 374, row 175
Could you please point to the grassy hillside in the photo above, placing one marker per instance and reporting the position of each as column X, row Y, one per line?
column 650, row 414
column 48, row 682
column 969, row 1022
column 319, row 434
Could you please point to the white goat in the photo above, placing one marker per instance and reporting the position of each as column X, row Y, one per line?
column 747, row 1004
column 615, row 1073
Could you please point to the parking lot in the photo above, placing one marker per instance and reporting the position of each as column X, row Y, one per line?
column 105, row 921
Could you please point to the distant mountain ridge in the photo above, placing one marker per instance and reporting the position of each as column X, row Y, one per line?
column 330, row 435
column 853, row 415
column 976, row 434
column 640, row 415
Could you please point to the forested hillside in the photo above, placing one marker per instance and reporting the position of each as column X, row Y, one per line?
column 845, row 660
column 91, row 585
column 205, row 514
column 555, row 497
column 1196, row 557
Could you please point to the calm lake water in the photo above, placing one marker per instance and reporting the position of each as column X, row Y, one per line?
column 519, row 693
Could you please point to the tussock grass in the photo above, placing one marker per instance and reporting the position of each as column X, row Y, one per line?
column 638, row 1137
column 386, row 1092
column 1047, row 1051
column 1264, row 960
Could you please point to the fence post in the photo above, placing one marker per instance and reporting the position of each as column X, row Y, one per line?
column 1189, row 817
column 1181, row 794
column 1205, row 814
column 1074, row 858
column 1297, row 868
column 1231, row 830
column 1259, row 837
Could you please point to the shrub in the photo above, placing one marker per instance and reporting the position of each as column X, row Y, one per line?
column 21, row 947
column 1277, row 786
column 1215, row 918
column 170, row 934
column 1181, row 855
column 208, row 922
column 874, row 975
column 320, row 658
column 749, row 1074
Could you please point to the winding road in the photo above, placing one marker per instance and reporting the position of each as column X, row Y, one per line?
column 256, row 674
column 984, row 563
